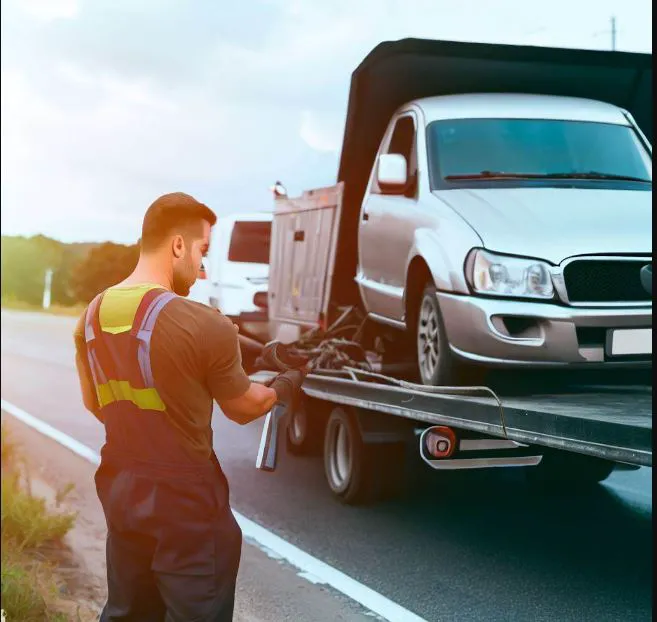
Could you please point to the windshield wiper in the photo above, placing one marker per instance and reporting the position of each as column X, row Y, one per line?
column 594, row 175
column 491, row 175
column 488, row 175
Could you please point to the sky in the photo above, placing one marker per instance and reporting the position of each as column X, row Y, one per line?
column 108, row 104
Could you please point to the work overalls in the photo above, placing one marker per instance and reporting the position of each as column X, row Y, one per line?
column 173, row 545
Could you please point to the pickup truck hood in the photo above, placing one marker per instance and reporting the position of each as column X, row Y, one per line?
column 556, row 223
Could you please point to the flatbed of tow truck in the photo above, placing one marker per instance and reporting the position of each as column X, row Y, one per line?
column 614, row 423
column 589, row 423
column 610, row 422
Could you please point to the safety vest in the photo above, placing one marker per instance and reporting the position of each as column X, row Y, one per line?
column 134, row 414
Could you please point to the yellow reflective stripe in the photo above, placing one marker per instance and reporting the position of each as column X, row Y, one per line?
column 115, row 330
column 119, row 307
column 119, row 390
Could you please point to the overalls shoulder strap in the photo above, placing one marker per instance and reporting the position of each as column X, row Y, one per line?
column 102, row 359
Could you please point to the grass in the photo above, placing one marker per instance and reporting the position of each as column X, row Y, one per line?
column 19, row 305
column 31, row 533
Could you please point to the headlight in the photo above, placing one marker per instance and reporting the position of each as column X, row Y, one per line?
column 499, row 275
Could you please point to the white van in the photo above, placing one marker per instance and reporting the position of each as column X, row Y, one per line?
column 237, row 271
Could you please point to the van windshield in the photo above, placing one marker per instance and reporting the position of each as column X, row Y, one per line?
column 489, row 149
column 249, row 242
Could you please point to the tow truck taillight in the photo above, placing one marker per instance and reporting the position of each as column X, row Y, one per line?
column 440, row 441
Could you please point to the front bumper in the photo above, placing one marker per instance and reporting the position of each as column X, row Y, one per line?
column 526, row 333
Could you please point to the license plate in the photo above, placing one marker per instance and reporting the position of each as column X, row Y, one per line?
column 628, row 342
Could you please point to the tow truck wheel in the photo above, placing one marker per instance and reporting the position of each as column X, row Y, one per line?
column 298, row 435
column 564, row 471
column 356, row 472
column 344, row 458
column 436, row 365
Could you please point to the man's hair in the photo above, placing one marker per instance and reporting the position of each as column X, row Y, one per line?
column 171, row 214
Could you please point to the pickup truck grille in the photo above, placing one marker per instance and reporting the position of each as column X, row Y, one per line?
column 605, row 280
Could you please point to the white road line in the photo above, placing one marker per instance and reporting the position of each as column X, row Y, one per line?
column 46, row 429
column 311, row 568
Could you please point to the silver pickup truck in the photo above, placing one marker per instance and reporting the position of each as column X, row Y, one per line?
column 494, row 207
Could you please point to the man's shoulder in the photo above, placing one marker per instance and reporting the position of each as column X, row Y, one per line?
column 186, row 305
column 206, row 317
column 190, row 324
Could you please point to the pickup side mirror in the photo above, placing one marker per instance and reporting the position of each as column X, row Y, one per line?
column 392, row 172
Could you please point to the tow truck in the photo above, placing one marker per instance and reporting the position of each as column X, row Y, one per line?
column 566, row 427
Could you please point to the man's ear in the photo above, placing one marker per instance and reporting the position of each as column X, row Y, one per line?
column 178, row 246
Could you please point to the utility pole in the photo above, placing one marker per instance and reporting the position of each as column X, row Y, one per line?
column 613, row 33
column 46, row 289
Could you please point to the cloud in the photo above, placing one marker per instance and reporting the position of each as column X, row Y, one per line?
column 50, row 9
column 107, row 104
column 321, row 133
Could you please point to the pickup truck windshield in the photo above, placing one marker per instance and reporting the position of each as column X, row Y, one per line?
column 535, row 149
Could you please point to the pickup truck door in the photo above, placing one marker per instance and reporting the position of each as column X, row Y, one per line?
column 387, row 228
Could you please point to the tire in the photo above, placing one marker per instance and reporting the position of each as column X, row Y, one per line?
column 564, row 472
column 358, row 473
column 344, row 458
column 435, row 361
column 300, row 436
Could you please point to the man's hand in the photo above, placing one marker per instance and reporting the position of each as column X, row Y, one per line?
column 288, row 386
column 288, row 390
column 284, row 389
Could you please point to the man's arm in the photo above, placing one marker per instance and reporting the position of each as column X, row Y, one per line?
column 286, row 389
column 241, row 400
column 87, row 387
column 257, row 401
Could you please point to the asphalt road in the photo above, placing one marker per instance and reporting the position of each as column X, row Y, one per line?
column 469, row 546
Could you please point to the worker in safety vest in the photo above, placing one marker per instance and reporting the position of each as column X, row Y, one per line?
column 150, row 364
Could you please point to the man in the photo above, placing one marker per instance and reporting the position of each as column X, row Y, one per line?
column 150, row 365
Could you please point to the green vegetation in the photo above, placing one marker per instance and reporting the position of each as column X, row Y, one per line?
column 80, row 271
column 31, row 536
column 16, row 305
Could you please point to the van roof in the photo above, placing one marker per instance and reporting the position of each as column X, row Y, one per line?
column 246, row 217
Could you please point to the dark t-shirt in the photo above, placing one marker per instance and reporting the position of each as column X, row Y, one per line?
column 195, row 358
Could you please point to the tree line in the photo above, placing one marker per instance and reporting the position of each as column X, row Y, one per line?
column 80, row 270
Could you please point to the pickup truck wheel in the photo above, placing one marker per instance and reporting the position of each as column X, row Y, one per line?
column 436, row 365
column 563, row 471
